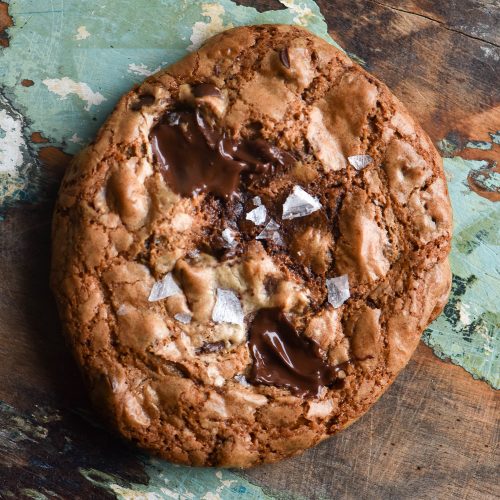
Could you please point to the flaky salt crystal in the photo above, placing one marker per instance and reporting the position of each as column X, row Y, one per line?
column 164, row 288
column 229, row 237
column 257, row 215
column 242, row 380
column 270, row 232
column 338, row 290
column 359, row 162
column 122, row 310
column 257, row 201
column 299, row 204
column 227, row 308
column 184, row 318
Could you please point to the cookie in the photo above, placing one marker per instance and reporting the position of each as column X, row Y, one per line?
column 248, row 253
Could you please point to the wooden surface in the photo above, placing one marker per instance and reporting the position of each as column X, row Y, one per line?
column 434, row 434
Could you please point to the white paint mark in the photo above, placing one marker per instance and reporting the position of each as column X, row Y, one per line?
column 141, row 69
column 35, row 495
column 204, row 30
column 11, row 143
column 211, row 496
column 81, row 33
column 303, row 14
column 75, row 139
column 65, row 86
column 491, row 52
column 464, row 313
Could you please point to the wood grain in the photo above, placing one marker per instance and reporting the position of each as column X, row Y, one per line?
column 448, row 80
column 477, row 19
column 434, row 434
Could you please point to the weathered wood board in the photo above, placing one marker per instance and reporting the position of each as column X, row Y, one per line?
column 434, row 434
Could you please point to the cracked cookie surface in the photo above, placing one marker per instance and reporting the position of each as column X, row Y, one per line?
column 248, row 253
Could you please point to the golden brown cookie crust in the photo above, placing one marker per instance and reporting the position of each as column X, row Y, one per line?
column 118, row 228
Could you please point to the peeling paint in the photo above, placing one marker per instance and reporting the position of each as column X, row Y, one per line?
column 36, row 495
column 483, row 145
column 179, row 483
column 18, row 179
column 468, row 332
column 203, row 30
column 141, row 69
column 28, row 430
column 75, row 139
column 11, row 142
column 65, row 86
column 484, row 180
column 464, row 313
column 82, row 33
column 303, row 12
column 113, row 61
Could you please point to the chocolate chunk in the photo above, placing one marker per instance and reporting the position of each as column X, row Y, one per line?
column 206, row 90
column 143, row 100
column 284, row 57
column 284, row 358
column 194, row 156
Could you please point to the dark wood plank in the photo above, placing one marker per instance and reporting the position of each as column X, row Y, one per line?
column 434, row 434
column 478, row 19
column 448, row 80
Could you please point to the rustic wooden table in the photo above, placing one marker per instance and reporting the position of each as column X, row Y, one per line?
column 433, row 435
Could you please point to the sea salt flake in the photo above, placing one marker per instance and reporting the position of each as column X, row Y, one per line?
column 359, row 162
column 194, row 253
column 242, row 380
column 164, row 288
column 338, row 290
column 122, row 310
column 257, row 201
column 184, row 318
column 270, row 232
column 299, row 204
column 257, row 215
column 227, row 308
column 229, row 237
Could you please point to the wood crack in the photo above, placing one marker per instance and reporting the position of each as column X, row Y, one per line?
column 441, row 23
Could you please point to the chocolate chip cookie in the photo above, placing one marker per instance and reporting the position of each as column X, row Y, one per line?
column 248, row 253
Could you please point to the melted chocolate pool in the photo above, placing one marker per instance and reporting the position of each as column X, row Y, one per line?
column 194, row 156
column 284, row 358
